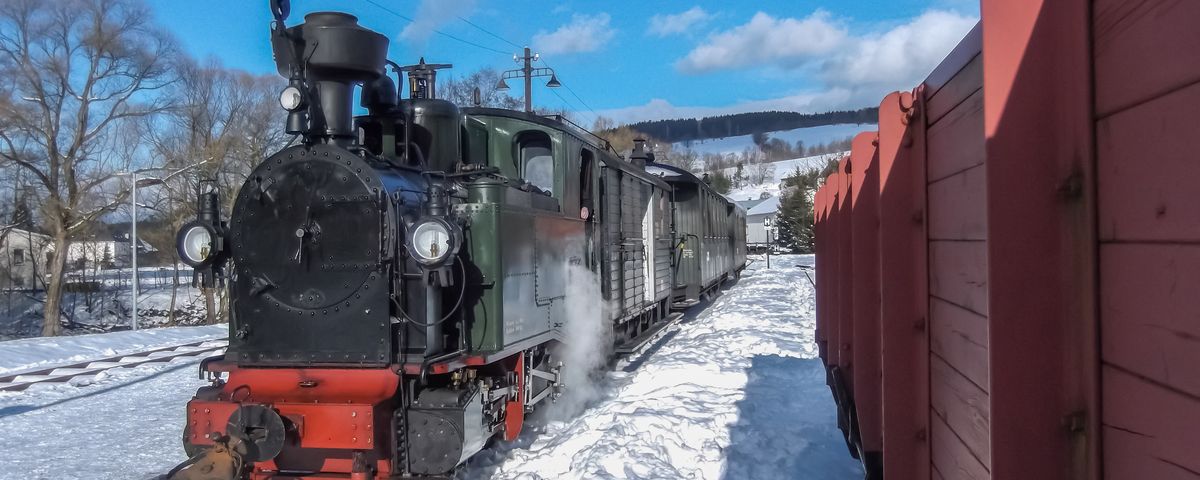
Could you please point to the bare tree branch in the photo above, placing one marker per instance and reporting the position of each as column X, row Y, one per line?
column 74, row 70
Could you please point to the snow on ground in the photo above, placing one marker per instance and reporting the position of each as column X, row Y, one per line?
column 734, row 392
column 28, row 353
column 779, row 171
column 126, row 424
column 810, row 136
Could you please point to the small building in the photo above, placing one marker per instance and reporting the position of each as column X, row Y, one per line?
column 110, row 250
column 757, row 213
column 23, row 259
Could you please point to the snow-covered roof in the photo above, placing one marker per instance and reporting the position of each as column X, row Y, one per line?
column 749, row 203
column 766, row 207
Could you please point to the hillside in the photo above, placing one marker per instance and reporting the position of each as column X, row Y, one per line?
column 679, row 130
column 809, row 135
column 781, row 169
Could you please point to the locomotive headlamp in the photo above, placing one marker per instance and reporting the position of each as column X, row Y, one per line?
column 291, row 98
column 196, row 243
column 433, row 241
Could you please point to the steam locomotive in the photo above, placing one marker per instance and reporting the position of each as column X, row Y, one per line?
column 401, row 281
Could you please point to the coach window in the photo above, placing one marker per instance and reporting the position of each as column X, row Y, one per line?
column 537, row 160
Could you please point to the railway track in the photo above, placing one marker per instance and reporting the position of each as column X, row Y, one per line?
column 17, row 381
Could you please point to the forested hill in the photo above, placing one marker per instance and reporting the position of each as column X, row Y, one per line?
column 679, row 130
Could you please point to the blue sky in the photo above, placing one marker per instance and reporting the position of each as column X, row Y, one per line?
column 635, row 60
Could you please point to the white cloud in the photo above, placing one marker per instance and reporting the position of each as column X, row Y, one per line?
column 766, row 40
column 822, row 43
column 432, row 14
column 663, row 25
column 903, row 55
column 847, row 71
column 585, row 33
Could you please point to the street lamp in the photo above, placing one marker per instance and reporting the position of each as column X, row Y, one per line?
column 528, row 72
column 133, row 238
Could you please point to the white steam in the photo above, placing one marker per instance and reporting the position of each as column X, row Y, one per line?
column 589, row 342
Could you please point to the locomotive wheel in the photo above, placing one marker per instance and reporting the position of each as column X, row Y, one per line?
column 514, row 410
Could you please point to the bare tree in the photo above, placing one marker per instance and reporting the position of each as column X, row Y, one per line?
column 686, row 159
column 461, row 90
column 71, row 72
column 603, row 124
column 227, row 120
column 761, row 170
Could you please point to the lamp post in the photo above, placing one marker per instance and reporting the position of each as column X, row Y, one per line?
column 133, row 238
column 528, row 72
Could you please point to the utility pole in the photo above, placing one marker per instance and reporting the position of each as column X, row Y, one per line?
column 527, row 72
column 133, row 244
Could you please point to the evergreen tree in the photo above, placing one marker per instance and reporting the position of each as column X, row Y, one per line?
column 794, row 222
column 795, row 219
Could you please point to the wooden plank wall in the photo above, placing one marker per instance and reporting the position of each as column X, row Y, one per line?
column 1147, row 81
column 957, row 250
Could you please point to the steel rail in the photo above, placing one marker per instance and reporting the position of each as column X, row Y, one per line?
column 18, row 381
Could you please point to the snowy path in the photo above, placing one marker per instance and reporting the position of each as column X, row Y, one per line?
column 123, row 425
column 736, row 392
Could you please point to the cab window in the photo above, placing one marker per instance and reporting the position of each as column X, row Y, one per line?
column 537, row 161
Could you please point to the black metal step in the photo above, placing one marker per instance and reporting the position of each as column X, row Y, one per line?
column 640, row 341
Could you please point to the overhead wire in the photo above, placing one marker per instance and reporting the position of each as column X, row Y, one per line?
column 572, row 91
column 439, row 32
column 595, row 116
column 589, row 108
column 489, row 32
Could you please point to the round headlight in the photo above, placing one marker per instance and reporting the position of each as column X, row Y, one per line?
column 195, row 244
column 432, row 241
column 291, row 98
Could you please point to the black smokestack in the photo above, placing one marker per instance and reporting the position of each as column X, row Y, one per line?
column 329, row 53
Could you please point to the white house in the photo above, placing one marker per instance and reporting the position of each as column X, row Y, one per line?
column 110, row 251
column 23, row 258
column 757, row 213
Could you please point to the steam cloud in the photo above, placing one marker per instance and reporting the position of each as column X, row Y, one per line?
column 586, row 354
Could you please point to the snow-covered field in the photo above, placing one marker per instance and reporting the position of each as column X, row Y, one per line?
column 810, row 136
column 779, row 170
column 735, row 391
